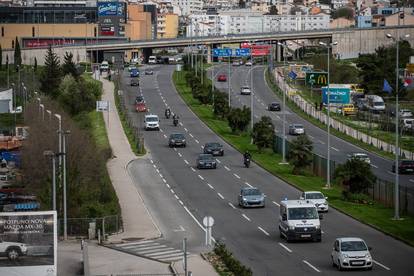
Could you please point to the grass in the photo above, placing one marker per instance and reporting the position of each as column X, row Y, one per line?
column 98, row 130
column 375, row 215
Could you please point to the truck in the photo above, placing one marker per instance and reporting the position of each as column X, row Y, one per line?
column 349, row 109
column 375, row 103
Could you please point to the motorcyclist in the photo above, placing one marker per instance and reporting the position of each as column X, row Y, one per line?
column 167, row 113
column 246, row 158
column 175, row 120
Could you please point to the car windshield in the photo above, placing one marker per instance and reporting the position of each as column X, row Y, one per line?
column 213, row 145
column 353, row 246
column 314, row 196
column 151, row 119
column 303, row 213
column 298, row 126
column 245, row 88
column 275, row 103
column 407, row 162
column 205, row 156
column 378, row 104
column 177, row 136
column 251, row 192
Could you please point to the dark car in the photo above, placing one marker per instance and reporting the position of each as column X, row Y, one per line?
column 206, row 161
column 177, row 140
column 134, row 82
column 214, row 149
column 274, row 106
column 139, row 99
column 251, row 197
column 404, row 166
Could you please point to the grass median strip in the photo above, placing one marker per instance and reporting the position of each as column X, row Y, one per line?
column 373, row 214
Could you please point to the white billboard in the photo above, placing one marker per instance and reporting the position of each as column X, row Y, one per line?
column 28, row 243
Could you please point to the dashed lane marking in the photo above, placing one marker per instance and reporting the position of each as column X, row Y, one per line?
column 181, row 124
column 182, row 203
column 311, row 266
column 191, row 135
column 186, row 129
column 152, row 162
column 264, row 231
column 218, row 161
column 199, row 176
column 285, row 247
column 381, row 265
column 157, row 170
column 411, row 180
column 220, row 195
column 176, row 196
column 322, row 142
column 168, row 186
column 227, row 168
column 165, row 181
column 165, row 136
column 196, row 141
column 193, row 169
column 246, row 217
column 179, row 154
column 231, row 205
column 186, row 161
column 211, row 187
column 335, row 149
column 374, row 166
column 247, row 183
column 172, row 191
column 275, row 203
column 236, row 176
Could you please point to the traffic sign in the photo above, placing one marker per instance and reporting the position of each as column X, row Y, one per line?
column 242, row 52
column 292, row 75
column 217, row 52
column 208, row 221
column 316, row 78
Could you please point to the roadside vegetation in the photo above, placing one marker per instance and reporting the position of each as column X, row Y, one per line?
column 225, row 263
column 297, row 173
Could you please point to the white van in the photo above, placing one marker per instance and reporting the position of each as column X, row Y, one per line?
column 375, row 103
column 152, row 60
column 298, row 220
column 152, row 122
column 408, row 123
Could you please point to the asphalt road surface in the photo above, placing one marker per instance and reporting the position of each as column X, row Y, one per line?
column 251, row 234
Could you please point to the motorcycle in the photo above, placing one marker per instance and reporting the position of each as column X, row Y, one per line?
column 167, row 113
column 247, row 162
column 175, row 121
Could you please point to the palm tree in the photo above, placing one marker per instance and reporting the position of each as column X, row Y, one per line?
column 300, row 153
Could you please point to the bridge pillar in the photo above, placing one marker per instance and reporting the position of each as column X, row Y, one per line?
column 278, row 52
column 209, row 53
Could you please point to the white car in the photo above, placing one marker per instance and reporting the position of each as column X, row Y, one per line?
column 245, row 90
column 348, row 253
column 296, row 129
column 405, row 113
column 12, row 250
column 152, row 122
column 361, row 156
column 249, row 63
column 318, row 199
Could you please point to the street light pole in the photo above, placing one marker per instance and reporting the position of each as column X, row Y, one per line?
column 65, row 214
column 228, row 82
column 284, row 108
column 252, row 92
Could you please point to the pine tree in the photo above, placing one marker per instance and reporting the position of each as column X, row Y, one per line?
column 51, row 75
column 17, row 53
column 69, row 67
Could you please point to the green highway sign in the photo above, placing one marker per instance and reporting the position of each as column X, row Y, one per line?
column 317, row 78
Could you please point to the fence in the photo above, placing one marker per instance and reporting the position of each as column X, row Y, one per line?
column 79, row 226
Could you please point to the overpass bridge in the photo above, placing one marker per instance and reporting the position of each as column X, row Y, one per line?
column 351, row 42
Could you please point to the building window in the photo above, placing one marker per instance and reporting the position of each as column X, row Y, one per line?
column 33, row 31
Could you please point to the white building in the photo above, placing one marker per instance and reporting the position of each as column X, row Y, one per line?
column 339, row 3
column 188, row 7
column 244, row 22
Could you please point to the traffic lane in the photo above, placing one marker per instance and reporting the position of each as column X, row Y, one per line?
column 174, row 223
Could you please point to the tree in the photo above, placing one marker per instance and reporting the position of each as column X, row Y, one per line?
column 51, row 75
column 17, row 53
column 300, row 153
column 263, row 133
column 273, row 10
column 355, row 175
column 238, row 119
column 221, row 104
column 69, row 66
column 344, row 12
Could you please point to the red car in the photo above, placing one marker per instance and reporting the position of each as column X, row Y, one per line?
column 140, row 107
column 222, row 77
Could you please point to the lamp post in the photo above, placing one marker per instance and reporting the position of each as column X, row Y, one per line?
column 65, row 214
column 328, row 169
column 397, row 178
column 53, row 156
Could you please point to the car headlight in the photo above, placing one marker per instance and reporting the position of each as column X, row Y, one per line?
column 183, row 140
column 368, row 256
column 291, row 227
column 345, row 256
column 318, row 227
column 200, row 162
column 244, row 199
column 172, row 141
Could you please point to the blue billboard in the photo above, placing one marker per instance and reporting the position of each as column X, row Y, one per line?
column 338, row 95
column 110, row 9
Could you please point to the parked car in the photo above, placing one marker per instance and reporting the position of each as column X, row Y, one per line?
column 318, row 198
column 251, row 197
column 134, row 82
column 296, row 129
column 139, row 99
column 349, row 109
column 206, row 161
column 348, row 253
column 404, row 166
column 214, row 149
column 149, row 72
column 245, row 90
column 177, row 140
column 221, row 78
column 141, row 107
column 405, row 113
column 361, row 156
column 274, row 106
column 12, row 250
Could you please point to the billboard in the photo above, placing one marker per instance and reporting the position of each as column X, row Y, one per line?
column 338, row 95
column 316, row 78
column 110, row 9
column 28, row 243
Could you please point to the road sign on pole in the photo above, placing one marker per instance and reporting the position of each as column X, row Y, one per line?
column 242, row 52
column 217, row 52
column 208, row 222
column 292, row 75
column 316, row 78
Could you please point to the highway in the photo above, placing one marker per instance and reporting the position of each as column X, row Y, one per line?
column 251, row 234
column 340, row 149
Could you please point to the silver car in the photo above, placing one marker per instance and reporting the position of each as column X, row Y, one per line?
column 251, row 197
column 245, row 90
column 351, row 253
column 296, row 129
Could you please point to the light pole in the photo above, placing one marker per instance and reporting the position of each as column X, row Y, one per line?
column 65, row 214
column 328, row 169
column 53, row 156
column 397, row 178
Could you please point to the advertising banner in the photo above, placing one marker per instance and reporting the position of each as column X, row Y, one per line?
column 316, row 78
column 110, row 9
column 28, row 243
column 338, row 95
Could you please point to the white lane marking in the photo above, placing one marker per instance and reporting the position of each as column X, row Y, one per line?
column 220, row 195
column 161, row 130
column 227, row 168
column 191, row 135
column 176, row 196
column 311, row 266
column 322, row 142
column 181, row 124
column 211, row 187
column 182, row 203
column 165, row 181
column 231, row 205
column 335, row 149
column 186, row 129
column 264, row 231
column 390, row 172
column 168, row 186
column 372, row 165
column 285, row 247
column 275, row 203
column 172, row 191
column 175, row 149
column 218, row 161
column 185, row 160
column 165, row 136
column 193, row 169
column 155, row 166
column 161, row 176
column 195, row 219
column 196, row 141
column 199, row 176
column 236, row 176
column 157, row 170
column 381, row 265
column 247, row 183
column 152, row 162
column 411, row 180
column 179, row 154
column 246, row 217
